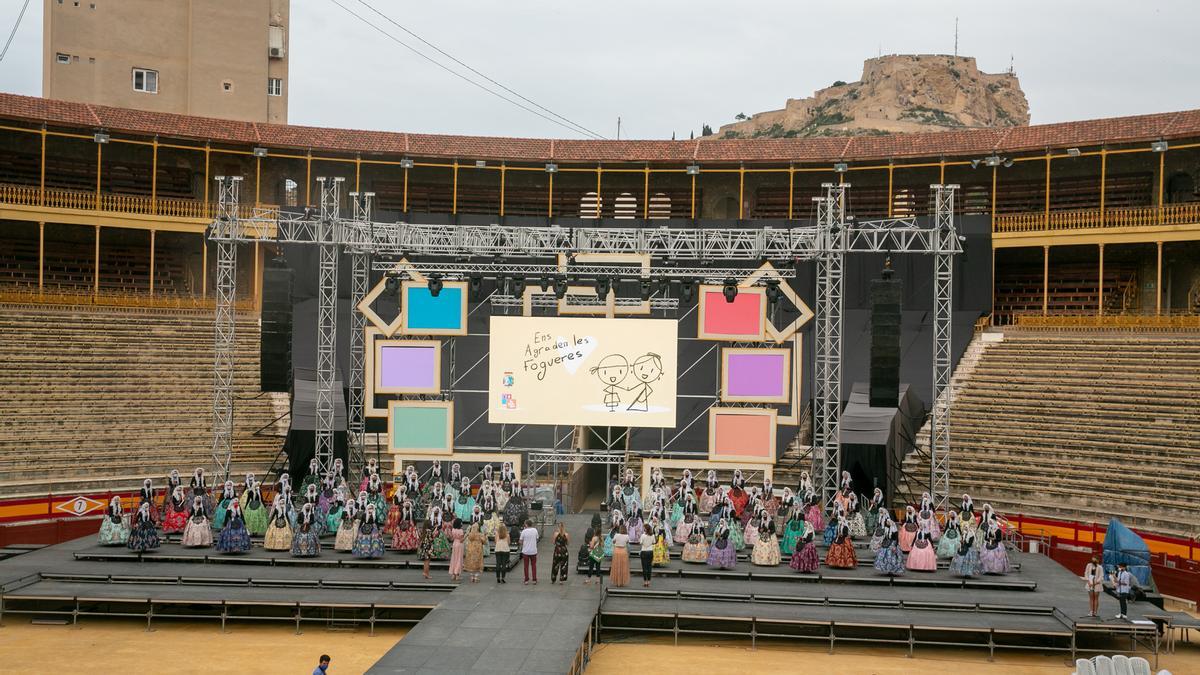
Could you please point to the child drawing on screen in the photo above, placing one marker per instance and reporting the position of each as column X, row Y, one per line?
column 612, row 370
column 647, row 368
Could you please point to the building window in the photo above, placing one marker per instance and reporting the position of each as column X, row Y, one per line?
column 62, row 58
column 274, row 86
column 145, row 80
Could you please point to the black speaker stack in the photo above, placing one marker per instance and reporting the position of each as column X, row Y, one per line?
column 275, row 351
column 885, row 339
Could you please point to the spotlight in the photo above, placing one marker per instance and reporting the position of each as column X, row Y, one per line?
column 1073, row 152
column 551, row 168
column 260, row 152
column 992, row 160
column 518, row 286
column 731, row 290
column 101, row 137
column 545, row 283
column 693, row 169
column 646, row 289
column 474, row 285
column 602, row 286
column 841, row 167
column 1008, row 163
column 1159, row 146
column 406, row 163
column 560, row 287
column 773, row 292
column 391, row 286
column 685, row 289
column 435, row 284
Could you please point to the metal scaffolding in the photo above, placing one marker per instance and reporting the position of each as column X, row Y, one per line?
column 360, row 272
column 224, row 233
column 328, row 239
column 538, row 253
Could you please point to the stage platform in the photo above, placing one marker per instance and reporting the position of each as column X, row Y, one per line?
column 460, row 627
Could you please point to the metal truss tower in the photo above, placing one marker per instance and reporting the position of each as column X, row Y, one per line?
column 328, row 237
column 225, row 233
column 945, row 246
column 832, row 240
column 360, row 264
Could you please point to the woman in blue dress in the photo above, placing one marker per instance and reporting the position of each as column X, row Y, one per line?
column 312, row 498
column 369, row 544
column 227, row 496
column 306, row 543
column 835, row 521
column 793, row 530
column 333, row 517
column 889, row 560
column 114, row 529
column 234, row 537
column 464, row 504
column 873, row 508
column 144, row 535
column 630, row 494
column 948, row 545
column 966, row 559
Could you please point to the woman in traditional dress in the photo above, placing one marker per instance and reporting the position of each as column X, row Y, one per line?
column 889, row 560
column 313, row 477
column 405, row 537
column 854, row 518
column 988, row 520
column 473, row 555
column 708, row 495
column 738, row 498
column 751, row 531
column 253, row 508
column 993, row 559
column 279, row 529
column 927, row 518
column 635, row 525
column 198, row 532
column 283, row 488
column 143, row 536
column 375, row 496
column 425, row 545
column 369, row 543
column 200, row 489
column 393, row 514
column 922, row 557
column 347, row 530
column 662, row 551
column 487, row 500
column 873, row 508
column 234, row 537
column 333, row 514
column 804, row 554
column 736, row 536
column 507, row 480
column 966, row 514
column 441, row 536
column 793, row 529
column 908, row 529
column 836, row 520
column 812, row 511
column 114, row 528
column 658, row 514
column 329, row 489
column 770, row 501
column 612, row 533
column 146, row 496
column 177, row 512
column 306, row 543
column 228, row 494
column 464, row 504
column 966, row 559
column 690, row 522
column 948, row 545
column 841, row 553
column 721, row 554
column 454, row 480
column 766, row 549
column 696, row 548
column 371, row 468
column 457, row 549
column 339, row 475
column 595, row 551
column 560, row 559
column 630, row 495
column 412, row 483
column 618, row 570
column 312, row 497
column 173, row 481
column 880, row 534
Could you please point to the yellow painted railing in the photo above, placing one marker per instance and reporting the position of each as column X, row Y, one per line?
column 1079, row 219
column 30, row 195
column 1114, row 321
column 31, row 296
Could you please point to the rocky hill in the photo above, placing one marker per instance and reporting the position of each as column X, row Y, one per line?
column 897, row 93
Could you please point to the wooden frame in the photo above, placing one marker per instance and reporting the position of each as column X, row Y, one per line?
column 760, row 336
column 370, row 334
column 406, row 314
column 448, row 449
column 377, row 367
column 649, row 464
column 784, row 397
column 715, row 412
column 517, row 459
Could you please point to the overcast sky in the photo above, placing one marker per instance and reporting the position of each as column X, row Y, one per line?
column 667, row 66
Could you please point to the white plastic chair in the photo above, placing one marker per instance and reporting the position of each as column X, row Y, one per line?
column 1104, row 665
column 1084, row 667
column 1121, row 665
column 1139, row 666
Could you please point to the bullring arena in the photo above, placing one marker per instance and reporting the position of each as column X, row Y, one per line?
column 871, row 398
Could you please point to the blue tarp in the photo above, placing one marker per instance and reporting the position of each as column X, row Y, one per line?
column 1121, row 545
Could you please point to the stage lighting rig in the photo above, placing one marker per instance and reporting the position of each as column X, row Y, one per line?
column 560, row 287
column 773, row 292
column 602, row 286
column 646, row 289
column 518, row 286
column 435, row 284
column 730, row 290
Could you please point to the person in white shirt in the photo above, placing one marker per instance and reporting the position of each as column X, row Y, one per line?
column 1124, row 582
column 529, row 542
column 646, row 542
column 1093, row 581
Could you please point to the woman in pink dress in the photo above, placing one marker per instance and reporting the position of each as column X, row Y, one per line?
column 908, row 529
column 456, row 550
column 923, row 556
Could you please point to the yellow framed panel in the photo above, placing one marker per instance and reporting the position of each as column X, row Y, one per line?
column 377, row 370
column 370, row 334
column 445, row 449
column 758, row 336
column 716, row 412
column 406, row 314
column 784, row 397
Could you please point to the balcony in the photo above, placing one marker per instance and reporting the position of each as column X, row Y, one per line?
column 46, row 204
column 1093, row 219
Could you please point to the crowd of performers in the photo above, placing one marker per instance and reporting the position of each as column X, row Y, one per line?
column 715, row 522
column 439, row 517
column 453, row 518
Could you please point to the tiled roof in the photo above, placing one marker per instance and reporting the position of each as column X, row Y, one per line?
column 965, row 143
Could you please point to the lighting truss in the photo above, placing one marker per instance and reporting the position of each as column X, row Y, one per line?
column 945, row 245
column 548, row 300
column 327, row 242
column 360, row 264
column 224, row 232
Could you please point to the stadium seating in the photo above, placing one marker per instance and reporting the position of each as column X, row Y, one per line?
column 102, row 398
column 70, row 267
column 1081, row 426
